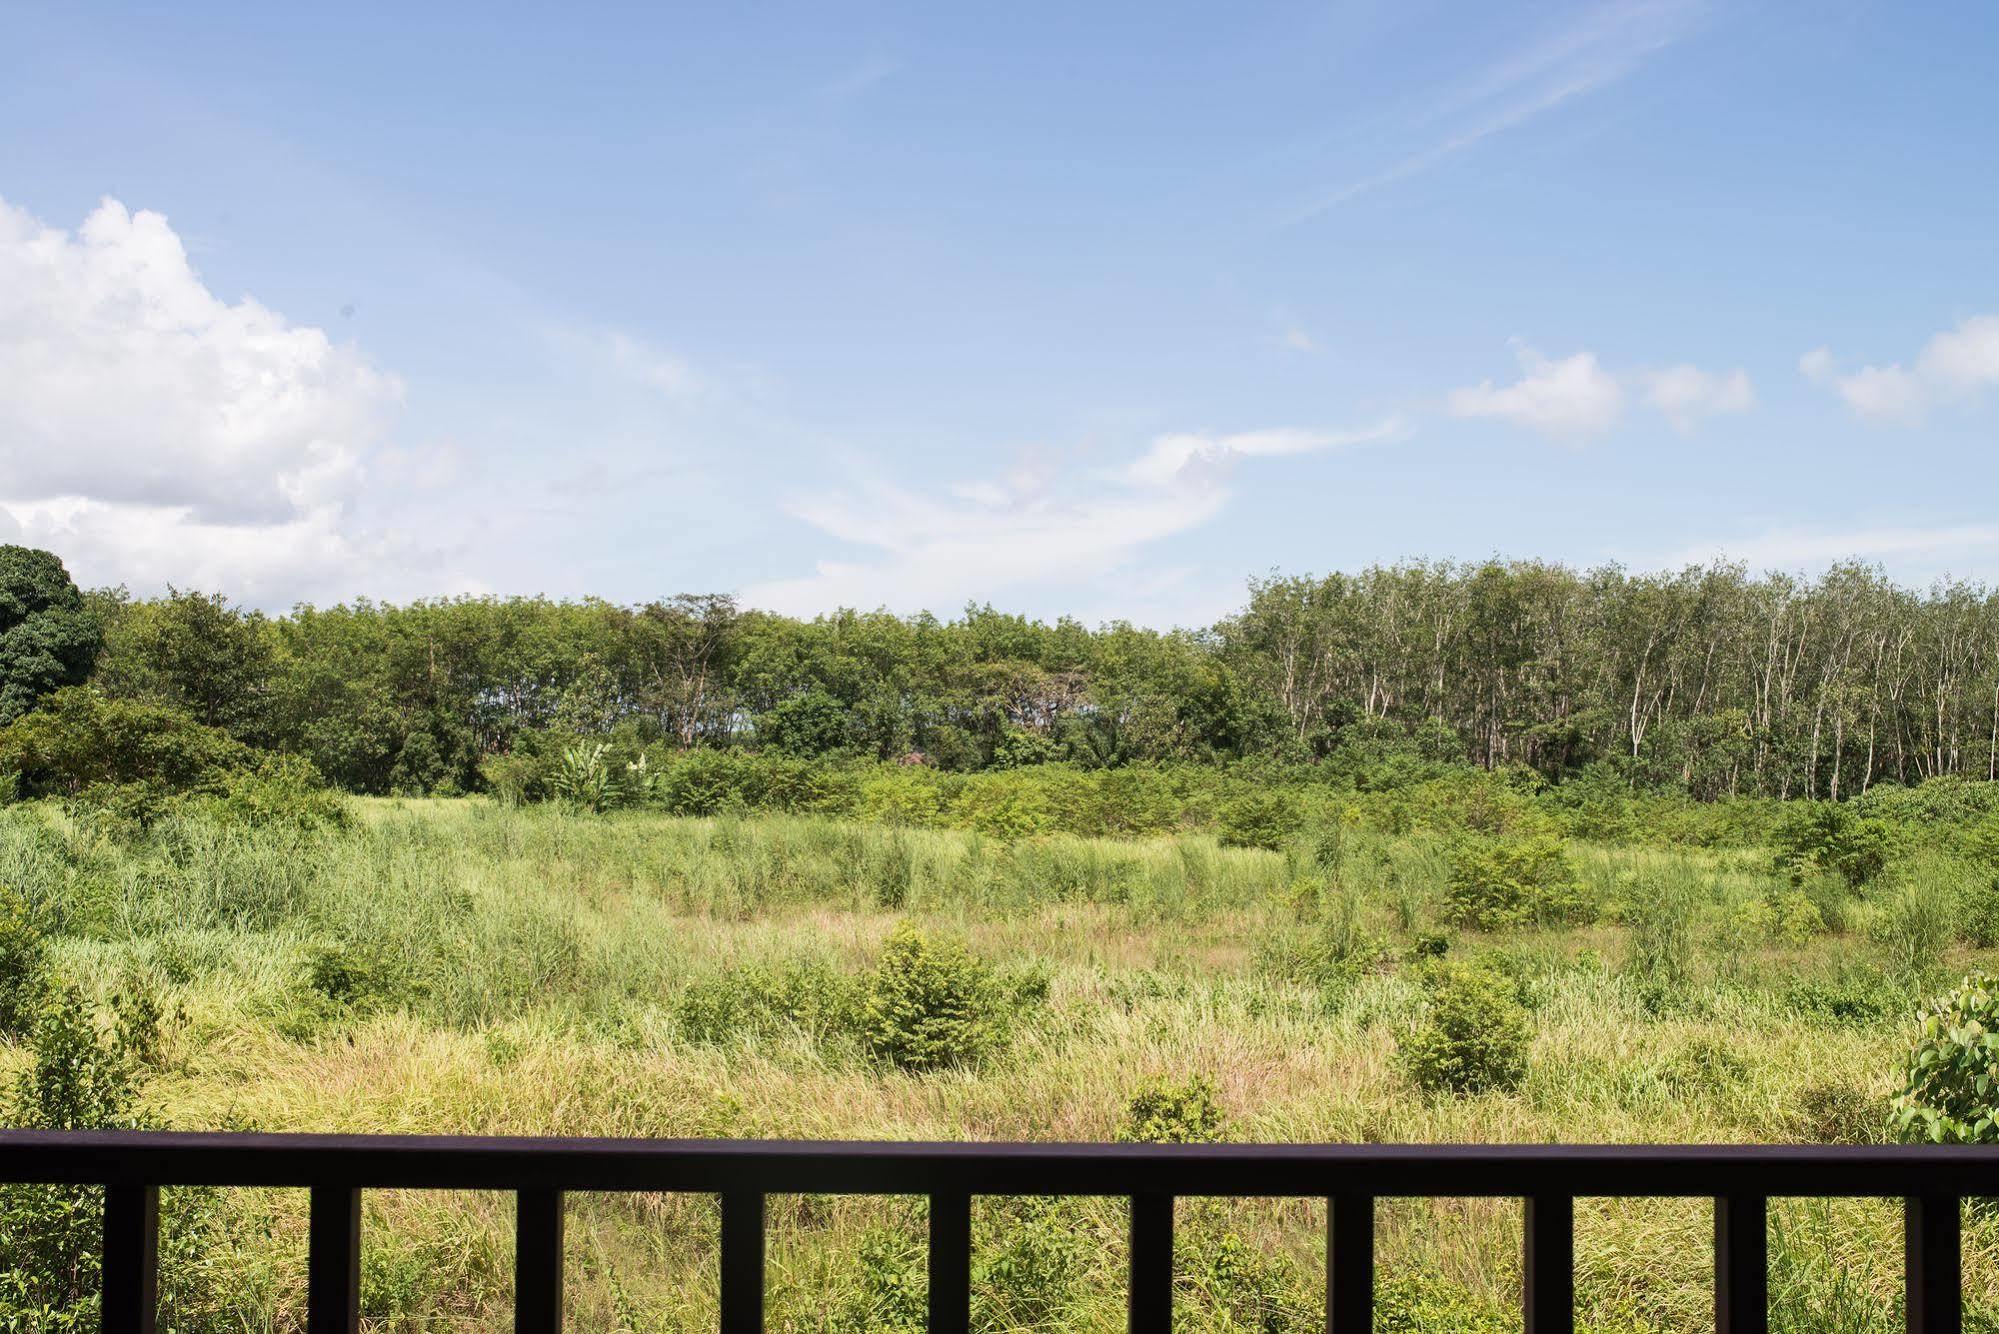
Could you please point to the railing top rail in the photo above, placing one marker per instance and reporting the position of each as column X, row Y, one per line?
column 860, row 1167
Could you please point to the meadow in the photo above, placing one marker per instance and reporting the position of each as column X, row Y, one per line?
column 462, row 965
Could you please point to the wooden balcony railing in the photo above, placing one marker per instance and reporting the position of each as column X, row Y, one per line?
column 1548, row 1178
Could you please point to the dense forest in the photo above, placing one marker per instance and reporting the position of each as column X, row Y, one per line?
column 1709, row 681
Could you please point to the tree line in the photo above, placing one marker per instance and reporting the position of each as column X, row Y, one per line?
column 1708, row 680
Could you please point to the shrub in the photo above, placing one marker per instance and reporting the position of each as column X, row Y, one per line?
column 1007, row 806
column 352, row 977
column 81, row 1078
column 930, row 1004
column 282, row 792
column 904, row 796
column 761, row 1002
column 1951, row 1082
column 1824, row 836
column 514, row 778
column 1514, row 882
column 1263, row 819
column 78, row 740
column 1024, row 1279
column 1165, row 1111
column 1475, row 1037
column 24, row 966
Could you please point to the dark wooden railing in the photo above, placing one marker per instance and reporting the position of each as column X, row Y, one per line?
column 1548, row 1178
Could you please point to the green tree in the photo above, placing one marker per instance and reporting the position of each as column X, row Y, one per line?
column 198, row 654
column 48, row 636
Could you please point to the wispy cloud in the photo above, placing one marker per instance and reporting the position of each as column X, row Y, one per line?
column 1035, row 525
column 1604, row 45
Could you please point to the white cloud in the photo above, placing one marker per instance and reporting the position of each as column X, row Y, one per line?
column 1953, row 364
column 1572, row 399
column 1031, row 527
column 1683, row 394
column 124, row 379
column 152, row 432
column 1575, row 399
column 1184, row 456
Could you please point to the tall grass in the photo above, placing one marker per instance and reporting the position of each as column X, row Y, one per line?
column 527, row 971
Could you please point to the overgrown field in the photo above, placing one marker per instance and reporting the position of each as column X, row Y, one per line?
column 465, row 966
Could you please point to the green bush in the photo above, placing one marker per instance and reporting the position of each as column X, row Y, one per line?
column 24, row 966
column 901, row 796
column 757, row 1002
column 1004, row 805
column 1475, row 1036
column 353, row 977
column 1825, row 836
column 1167, row 1111
column 1512, row 882
column 1267, row 818
column 1024, row 1278
column 281, row 792
column 1950, row 1093
column 81, row 1078
column 77, row 740
column 931, row 1004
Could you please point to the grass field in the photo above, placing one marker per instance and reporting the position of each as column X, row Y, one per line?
column 459, row 966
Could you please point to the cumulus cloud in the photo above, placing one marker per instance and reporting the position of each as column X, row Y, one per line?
column 1684, row 394
column 1575, row 398
column 1034, row 525
column 124, row 379
column 151, row 431
column 1954, row 364
column 1572, row 399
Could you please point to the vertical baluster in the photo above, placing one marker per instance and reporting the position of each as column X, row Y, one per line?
column 131, row 1259
column 538, row 1262
column 333, row 1262
column 1935, row 1295
column 1741, row 1265
column 1549, row 1265
column 950, row 1262
column 742, row 1262
column 1350, row 1264
column 1151, row 1263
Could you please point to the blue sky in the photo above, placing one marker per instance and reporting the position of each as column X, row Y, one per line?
column 1091, row 309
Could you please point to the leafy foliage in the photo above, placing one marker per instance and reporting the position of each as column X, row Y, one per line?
column 1513, row 882
column 49, row 637
column 1823, row 836
column 1168, row 1111
column 1950, row 1094
column 931, row 1004
column 24, row 966
column 1475, row 1035
column 1261, row 819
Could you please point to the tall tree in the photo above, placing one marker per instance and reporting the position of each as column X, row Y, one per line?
column 49, row 637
